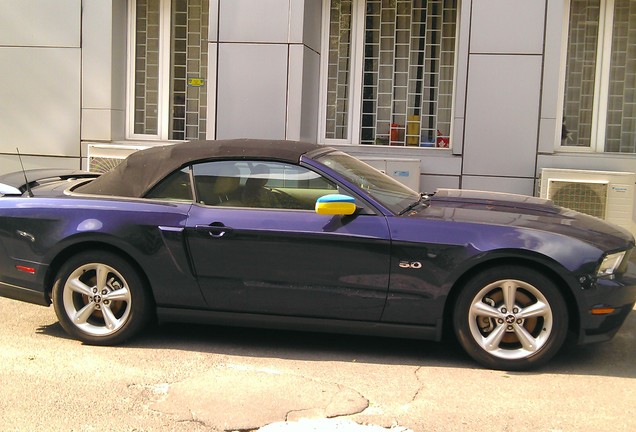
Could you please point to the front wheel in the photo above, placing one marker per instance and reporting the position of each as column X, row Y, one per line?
column 510, row 318
column 100, row 299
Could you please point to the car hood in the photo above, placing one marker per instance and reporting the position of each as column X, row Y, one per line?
column 521, row 211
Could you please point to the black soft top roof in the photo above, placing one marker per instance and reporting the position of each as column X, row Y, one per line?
column 143, row 169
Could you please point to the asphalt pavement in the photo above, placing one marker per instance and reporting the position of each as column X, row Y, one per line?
column 206, row 378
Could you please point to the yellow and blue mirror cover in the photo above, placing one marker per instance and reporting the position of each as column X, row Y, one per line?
column 335, row 204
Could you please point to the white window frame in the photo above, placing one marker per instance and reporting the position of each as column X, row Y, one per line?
column 163, row 101
column 356, row 79
column 601, row 78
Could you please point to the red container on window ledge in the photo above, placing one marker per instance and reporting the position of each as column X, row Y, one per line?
column 395, row 134
column 442, row 141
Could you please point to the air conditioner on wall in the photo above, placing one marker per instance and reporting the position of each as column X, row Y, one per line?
column 604, row 194
column 105, row 157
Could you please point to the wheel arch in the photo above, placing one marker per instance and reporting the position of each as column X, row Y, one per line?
column 78, row 248
column 529, row 261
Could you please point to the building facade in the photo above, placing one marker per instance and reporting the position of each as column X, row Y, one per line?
column 480, row 94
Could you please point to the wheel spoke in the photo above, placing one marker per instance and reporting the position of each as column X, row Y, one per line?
column 80, row 287
column 84, row 313
column 509, row 290
column 109, row 318
column 492, row 342
column 484, row 310
column 528, row 342
column 535, row 310
column 121, row 294
column 102, row 276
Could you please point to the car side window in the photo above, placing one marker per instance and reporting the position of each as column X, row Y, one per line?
column 259, row 184
column 175, row 187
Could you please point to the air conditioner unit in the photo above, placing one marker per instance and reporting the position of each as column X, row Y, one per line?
column 406, row 171
column 604, row 194
column 105, row 157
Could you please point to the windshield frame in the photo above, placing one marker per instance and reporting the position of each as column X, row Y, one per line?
column 373, row 183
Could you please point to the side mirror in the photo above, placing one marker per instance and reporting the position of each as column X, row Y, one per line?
column 335, row 204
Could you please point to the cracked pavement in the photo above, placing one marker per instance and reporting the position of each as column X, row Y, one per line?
column 200, row 378
column 256, row 404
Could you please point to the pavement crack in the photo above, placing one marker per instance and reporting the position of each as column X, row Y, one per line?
column 420, row 387
column 346, row 401
column 334, row 400
column 290, row 413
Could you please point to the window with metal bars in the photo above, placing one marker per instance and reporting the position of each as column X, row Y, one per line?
column 406, row 77
column 169, row 69
column 599, row 110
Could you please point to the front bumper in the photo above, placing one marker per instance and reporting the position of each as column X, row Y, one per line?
column 618, row 294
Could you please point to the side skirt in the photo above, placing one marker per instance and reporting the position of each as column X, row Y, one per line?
column 300, row 323
column 23, row 294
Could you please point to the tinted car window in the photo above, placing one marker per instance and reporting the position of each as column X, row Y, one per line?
column 259, row 184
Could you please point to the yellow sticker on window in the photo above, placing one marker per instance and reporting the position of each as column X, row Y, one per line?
column 196, row 82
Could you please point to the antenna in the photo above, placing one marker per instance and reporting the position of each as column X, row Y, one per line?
column 26, row 181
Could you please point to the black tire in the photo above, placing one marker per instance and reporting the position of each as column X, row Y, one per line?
column 510, row 318
column 105, row 312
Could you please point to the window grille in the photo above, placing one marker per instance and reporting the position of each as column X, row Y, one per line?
column 591, row 87
column 408, row 70
column 189, row 69
column 581, row 65
column 339, row 70
column 184, row 77
column 621, row 107
column 147, row 67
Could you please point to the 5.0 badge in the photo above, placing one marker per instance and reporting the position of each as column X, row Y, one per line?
column 410, row 264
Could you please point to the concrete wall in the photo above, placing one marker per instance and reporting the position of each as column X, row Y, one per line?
column 62, row 79
column 501, row 116
column 267, row 69
column 498, row 97
column 508, row 99
column 40, row 67
column 103, row 81
column 63, row 84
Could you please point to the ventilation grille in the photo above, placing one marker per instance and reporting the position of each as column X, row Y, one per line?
column 605, row 194
column 588, row 198
column 104, row 157
column 103, row 164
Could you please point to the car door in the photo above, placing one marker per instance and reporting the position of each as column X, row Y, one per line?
column 268, row 252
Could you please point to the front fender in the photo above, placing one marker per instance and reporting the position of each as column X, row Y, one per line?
column 447, row 252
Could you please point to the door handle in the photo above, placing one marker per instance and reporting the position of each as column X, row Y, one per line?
column 215, row 229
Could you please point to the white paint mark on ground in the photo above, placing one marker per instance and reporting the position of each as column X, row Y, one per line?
column 324, row 425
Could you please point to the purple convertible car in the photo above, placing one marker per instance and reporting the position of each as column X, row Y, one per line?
column 291, row 235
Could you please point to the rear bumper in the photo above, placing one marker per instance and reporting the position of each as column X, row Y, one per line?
column 24, row 294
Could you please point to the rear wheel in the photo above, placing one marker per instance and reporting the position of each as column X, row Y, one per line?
column 511, row 318
column 100, row 299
